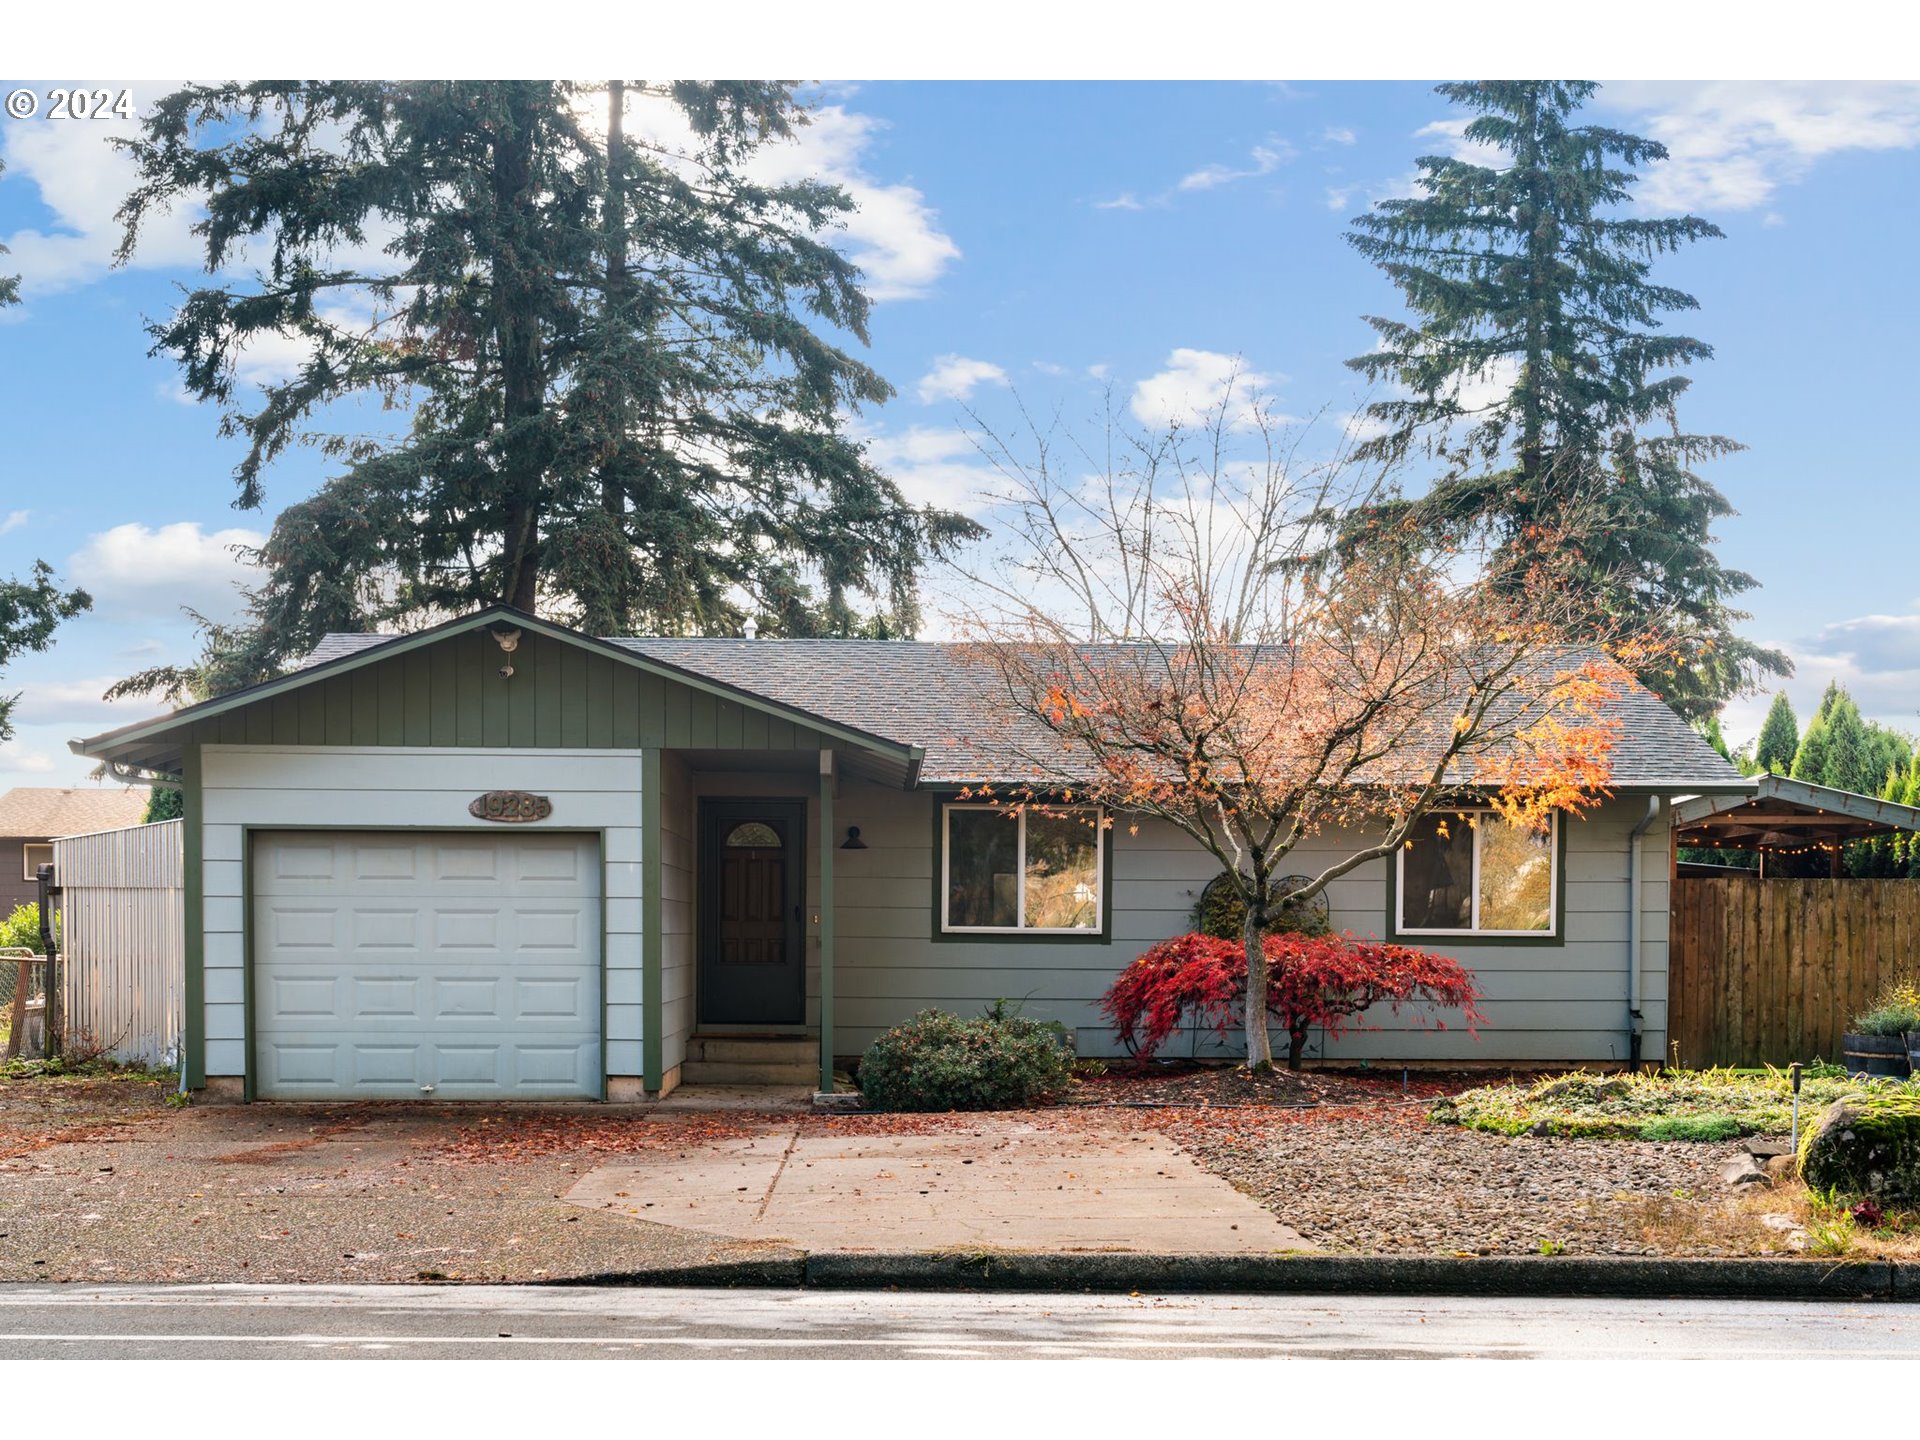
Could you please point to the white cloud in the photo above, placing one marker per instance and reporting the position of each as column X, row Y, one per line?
column 12, row 521
column 1338, row 135
column 1875, row 657
column 1733, row 144
column 16, row 759
column 82, row 180
column 63, row 702
column 1340, row 197
column 1262, row 160
column 1194, row 384
column 1452, row 135
column 134, row 572
column 935, row 467
column 894, row 235
column 955, row 377
column 1125, row 201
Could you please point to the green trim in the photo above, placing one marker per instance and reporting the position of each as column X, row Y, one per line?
column 193, row 990
column 97, row 746
column 1102, row 936
column 249, row 1060
column 826, row 925
column 652, row 947
column 1462, row 939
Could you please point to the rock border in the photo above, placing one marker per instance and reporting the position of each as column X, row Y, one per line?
column 1559, row 1277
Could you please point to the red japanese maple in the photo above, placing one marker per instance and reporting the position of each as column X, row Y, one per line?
column 1313, row 982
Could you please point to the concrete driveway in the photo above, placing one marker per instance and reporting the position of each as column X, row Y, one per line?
column 997, row 1184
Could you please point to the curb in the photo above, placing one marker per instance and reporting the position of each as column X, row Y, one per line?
column 1558, row 1277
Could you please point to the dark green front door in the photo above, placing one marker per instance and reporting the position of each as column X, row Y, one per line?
column 752, row 883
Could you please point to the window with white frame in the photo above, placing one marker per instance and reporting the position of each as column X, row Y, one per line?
column 34, row 857
column 1024, row 872
column 1476, row 872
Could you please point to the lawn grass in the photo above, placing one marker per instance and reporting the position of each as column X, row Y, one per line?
column 1698, row 1105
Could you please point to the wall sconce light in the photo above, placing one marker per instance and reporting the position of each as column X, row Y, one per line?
column 853, row 840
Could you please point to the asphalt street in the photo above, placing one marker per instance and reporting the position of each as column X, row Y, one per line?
column 525, row 1322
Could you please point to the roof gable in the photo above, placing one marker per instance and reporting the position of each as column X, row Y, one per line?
column 452, row 686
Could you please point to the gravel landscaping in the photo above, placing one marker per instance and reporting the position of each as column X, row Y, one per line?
column 1388, row 1180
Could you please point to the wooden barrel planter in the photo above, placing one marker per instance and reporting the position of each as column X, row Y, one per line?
column 1875, row 1054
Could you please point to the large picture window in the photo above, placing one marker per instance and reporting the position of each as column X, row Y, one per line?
column 1475, row 872
column 1025, row 872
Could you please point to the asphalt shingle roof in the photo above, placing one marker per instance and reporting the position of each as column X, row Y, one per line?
column 923, row 693
column 36, row 814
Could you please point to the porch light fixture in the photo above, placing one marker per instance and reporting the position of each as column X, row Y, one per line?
column 507, row 637
column 853, row 840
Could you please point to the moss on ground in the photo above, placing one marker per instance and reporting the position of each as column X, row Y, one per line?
column 1696, row 1105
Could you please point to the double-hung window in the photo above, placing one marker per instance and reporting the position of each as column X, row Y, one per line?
column 1475, row 872
column 1027, row 872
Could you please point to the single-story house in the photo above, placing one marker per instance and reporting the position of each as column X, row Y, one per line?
column 31, row 818
column 500, row 858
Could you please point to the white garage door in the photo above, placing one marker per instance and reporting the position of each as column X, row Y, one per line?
column 458, row 966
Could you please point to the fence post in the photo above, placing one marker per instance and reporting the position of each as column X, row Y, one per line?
column 48, row 945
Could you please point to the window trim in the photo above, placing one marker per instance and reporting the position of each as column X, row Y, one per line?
column 26, row 865
column 1023, row 934
column 1555, row 934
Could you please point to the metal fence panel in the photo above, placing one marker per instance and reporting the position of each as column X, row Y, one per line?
column 123, row 967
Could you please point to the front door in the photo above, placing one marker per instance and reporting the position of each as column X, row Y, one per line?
column 752, row 882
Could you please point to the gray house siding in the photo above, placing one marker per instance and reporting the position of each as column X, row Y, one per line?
column 1549, row 1001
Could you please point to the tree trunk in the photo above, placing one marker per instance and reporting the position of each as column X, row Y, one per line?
column 1296, row 1046
column 523, row 380
column 613, row 497
column 1253, row 936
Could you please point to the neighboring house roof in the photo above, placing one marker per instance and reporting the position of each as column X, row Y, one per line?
column 35, row 814
column 925, row 694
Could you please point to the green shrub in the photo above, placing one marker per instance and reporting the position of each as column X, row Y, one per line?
column 938, row 1061
column 21, row 928
column 1895, row 1011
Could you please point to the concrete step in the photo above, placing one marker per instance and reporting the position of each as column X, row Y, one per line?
column 748, row 1072
column 755, row 1049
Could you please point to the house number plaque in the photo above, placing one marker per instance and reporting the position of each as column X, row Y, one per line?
column 510, row 807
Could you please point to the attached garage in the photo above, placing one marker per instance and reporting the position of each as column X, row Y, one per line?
column 401, row 964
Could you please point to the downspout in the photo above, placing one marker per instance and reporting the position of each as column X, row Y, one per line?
column 1635, row 1020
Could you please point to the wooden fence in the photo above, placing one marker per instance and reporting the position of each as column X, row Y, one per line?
column 1763, row 972
column 123, row 941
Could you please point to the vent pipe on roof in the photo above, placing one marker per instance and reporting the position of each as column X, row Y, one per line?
column 751, row 629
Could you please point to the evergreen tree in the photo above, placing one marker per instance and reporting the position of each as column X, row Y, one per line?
column 1779, row 738
column 1523, row 281
column 1848, row 762
column 164, row 802
column 30, row 609
column 1810, row 760
column 628, row 407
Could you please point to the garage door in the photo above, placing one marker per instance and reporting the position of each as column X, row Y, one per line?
column 457, row 966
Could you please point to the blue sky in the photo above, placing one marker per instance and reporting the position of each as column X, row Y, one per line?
column 1067, row 241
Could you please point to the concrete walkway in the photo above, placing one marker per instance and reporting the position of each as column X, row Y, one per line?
column 1002, row 1185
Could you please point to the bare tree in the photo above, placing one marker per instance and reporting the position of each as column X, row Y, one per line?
column 1176, row 624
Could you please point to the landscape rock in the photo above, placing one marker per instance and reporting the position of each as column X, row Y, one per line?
column 1764, row 1147
column 1740, row 1168
column 1780, row 1167
column 1866, row 1145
